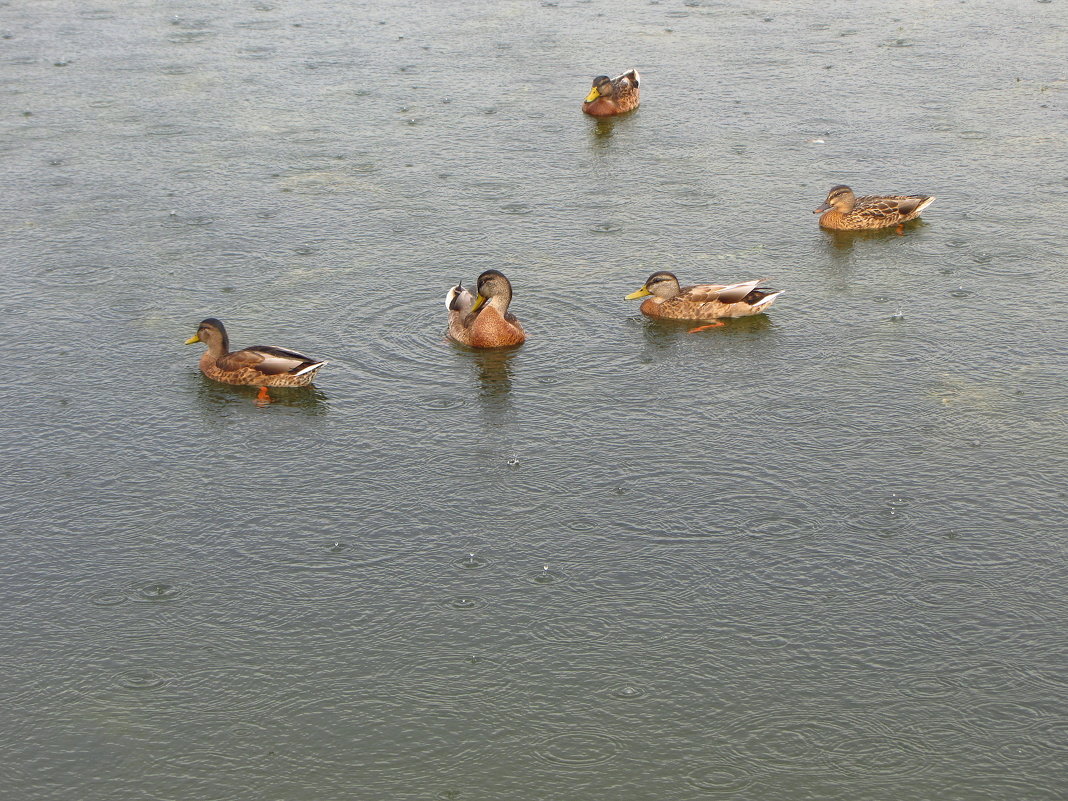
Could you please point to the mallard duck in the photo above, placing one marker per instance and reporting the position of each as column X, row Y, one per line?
column 259, row 366
column 482, row 320
column 612, row 95
column 702, row 301
column 844, row 211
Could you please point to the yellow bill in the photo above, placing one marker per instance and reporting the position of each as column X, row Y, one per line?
column 641, row 293
column 593, row 95
column 193, row 339
column 478, row 302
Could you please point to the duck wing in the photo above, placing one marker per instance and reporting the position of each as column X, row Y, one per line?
column 890, row 206
column 459, row 300
column 627, row 80
column 718, row 293
column 269, row 360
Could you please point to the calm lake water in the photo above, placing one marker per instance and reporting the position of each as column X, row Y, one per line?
column 817, row 554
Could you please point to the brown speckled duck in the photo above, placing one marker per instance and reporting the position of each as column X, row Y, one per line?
column 258, row 366
column 610, row 96
column 844, row 211
column 482, row 320
column 702, row 301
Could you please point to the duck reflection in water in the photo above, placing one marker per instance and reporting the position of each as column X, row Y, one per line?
column 844, row 249
column 494, row 379
column 602, row 131
column 220, row 397
column 662, row 336
column 842, row 242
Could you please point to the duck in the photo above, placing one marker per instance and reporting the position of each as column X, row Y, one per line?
column 258, row 366
column 611, row 96
column 702, row 301
column 482, row 320
column 844, row 211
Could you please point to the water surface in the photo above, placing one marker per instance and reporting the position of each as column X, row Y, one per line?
column 818, row 554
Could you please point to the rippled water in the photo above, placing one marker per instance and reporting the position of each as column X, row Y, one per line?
column 818, row 554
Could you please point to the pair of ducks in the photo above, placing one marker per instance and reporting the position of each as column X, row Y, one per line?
column 495, row 327
column 480, row 320
column 842, row 211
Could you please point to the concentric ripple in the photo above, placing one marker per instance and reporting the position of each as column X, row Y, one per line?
column 404, row 342
column 669, row 579
column 578, row 748
column 627, row 692
column 1015, row 753
column 823, row 575
column 946, row 592
column 877, row 755
column 721, row 778
column 574, row 629
column 450, row 677
column 157, row 592
column 973, row 550
column 463, row 602
column 547, row 576
column 139, row 680
column 293, row 551
column 109, row 597
column 471, row 562
column 884, row 523
column 788, row 742
column 927, row 685
column 1053, row 734
column 1003, row 716
column 780, row 528
column 1002, row 788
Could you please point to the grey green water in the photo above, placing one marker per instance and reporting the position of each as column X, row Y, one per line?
column 819, row 554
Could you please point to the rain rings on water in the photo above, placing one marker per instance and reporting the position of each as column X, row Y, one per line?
column 577, row 748
column 472, row 562
column 463, row 602
column 574, row 628
column 722, row 778
column 450, row 677
column 547, row 576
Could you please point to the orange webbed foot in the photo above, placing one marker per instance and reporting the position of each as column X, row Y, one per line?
column 704, row 327
column 900, row 230
column 263, row 397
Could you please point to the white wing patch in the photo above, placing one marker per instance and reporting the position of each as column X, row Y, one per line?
column 310, row 368
column 766, row 300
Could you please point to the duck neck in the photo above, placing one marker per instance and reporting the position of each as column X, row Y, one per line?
column 219, row 346
column 500, row 303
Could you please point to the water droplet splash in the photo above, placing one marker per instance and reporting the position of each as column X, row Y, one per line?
column 547, row 576
column 464, row 602
column 472, row 562
column 158, row 592
column 628, row 692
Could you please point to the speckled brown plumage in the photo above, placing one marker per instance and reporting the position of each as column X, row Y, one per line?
column 258, row 366
column 482, row 320
column 844, row 211
column 611, row 96
column 702, row 301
